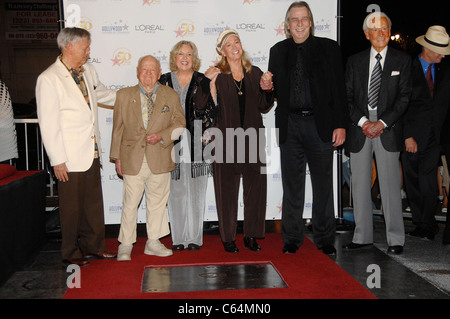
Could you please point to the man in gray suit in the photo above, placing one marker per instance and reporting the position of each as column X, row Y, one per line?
column 378, row 91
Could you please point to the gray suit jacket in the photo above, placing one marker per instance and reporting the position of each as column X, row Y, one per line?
column 393, row 99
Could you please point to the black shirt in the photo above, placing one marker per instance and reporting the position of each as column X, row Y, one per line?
column 300, row 97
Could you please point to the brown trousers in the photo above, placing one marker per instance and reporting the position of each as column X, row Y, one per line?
column 226, row 187
column 81, row 213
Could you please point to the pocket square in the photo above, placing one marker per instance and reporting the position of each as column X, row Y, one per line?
column 165, row 109
column 394, row 73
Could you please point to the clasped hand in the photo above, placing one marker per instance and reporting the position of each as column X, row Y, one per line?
column 373, row 129
column 266, row 83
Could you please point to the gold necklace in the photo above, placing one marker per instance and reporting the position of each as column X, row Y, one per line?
column 238, row 87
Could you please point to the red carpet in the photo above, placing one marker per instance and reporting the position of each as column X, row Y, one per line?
column 309, row 274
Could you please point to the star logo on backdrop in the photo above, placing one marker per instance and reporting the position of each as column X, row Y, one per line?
column 280, row 30
column 116, row 61
column 121, row 56
column 150, row 2
column 179, row 32
column 185, row 28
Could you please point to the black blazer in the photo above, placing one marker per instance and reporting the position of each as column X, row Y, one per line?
column 425, row 114
column 326, row 82
column 395, row 92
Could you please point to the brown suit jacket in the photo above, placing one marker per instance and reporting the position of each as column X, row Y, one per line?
column 129, row 134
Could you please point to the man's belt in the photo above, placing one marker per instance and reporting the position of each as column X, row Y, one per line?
column 302, row 113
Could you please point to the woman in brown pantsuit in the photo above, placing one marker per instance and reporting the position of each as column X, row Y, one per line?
column 235, row 86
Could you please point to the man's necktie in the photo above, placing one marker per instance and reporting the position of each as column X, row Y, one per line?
column 375, row 83
column 430, row 81
column 149, row 104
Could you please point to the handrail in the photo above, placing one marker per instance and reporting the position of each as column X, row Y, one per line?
column 39, row 146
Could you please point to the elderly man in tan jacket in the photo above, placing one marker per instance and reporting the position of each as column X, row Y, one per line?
column 147, row 119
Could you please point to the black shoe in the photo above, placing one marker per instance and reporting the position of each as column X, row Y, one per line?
column 417, row 232
column 422, row 232
column 178, row 247
column 352, row 246
column 397, row 250
column 329, row 250
column 250, row 243
column 429, row 234
column 230, row 247
column 193, row 247
column 289, row 249
column 446, row 240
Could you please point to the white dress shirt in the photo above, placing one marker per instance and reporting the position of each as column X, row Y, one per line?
column 372, row 62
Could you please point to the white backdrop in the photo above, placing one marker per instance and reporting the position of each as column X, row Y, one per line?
column 124, row 30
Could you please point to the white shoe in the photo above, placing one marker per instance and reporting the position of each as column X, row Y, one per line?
column 154, row 247
column 124, row 252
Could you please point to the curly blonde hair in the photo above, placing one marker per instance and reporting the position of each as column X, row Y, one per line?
column 176, row 49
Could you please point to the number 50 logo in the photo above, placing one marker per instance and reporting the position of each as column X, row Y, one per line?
column 185, row 28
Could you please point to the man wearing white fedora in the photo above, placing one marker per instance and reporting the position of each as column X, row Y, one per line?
column 422, row 127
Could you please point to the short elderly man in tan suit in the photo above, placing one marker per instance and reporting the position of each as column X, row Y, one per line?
column 147, row 119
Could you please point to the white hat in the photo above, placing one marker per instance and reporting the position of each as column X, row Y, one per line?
column 223, row 36
column 436, row 39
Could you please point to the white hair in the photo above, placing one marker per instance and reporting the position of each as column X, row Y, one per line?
column 71, row 35
column 368, row 21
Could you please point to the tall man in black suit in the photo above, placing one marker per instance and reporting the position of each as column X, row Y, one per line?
column 422, row 128
column 311, row 117
column 378, row 91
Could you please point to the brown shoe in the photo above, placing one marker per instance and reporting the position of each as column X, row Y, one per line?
column 77, row 261
column 104, row 255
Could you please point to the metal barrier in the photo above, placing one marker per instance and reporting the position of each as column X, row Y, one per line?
column 29, row 134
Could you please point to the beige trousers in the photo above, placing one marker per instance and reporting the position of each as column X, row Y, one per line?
column 156, row 188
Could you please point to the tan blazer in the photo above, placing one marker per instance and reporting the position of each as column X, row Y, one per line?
column 129, row 134
column 68, row 125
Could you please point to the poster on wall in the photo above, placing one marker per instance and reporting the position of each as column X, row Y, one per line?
column 134, row 28
column 25, row 21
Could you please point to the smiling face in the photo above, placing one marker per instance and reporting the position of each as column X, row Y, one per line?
column 232, row 49
column 299, row 24
column 185, row 58
column 148, row 73
column 379, row 33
